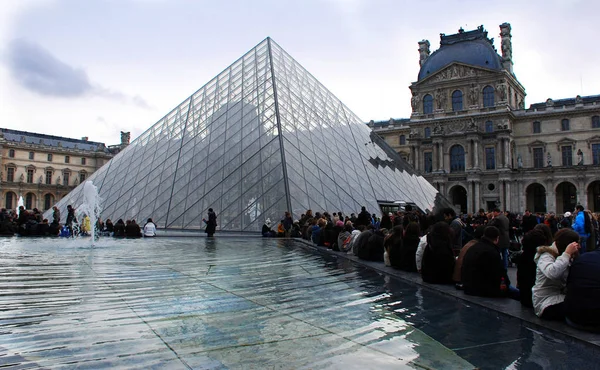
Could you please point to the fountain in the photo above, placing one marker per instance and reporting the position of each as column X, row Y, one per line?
column 90, row 207
column 19, row 204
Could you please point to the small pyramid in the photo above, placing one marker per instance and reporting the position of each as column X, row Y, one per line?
column 261, row 138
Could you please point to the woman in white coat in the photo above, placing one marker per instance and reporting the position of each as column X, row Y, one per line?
column 551, row 274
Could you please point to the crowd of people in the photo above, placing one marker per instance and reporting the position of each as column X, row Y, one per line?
column 32, row 223
column 558, row 261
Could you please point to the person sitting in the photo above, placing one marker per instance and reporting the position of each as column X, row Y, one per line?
column 43, row 228
column 296, row 230
column 280, row 230
column 316, row 230
column 551, row 275
column 86, row 225
column 361, row 239
column 526, row 266
column 437, row 263
column 344, row 238
column 267, row 232
column 373, row 249
column 582, row 301
column 393, row 247
column 109, row 226
column 477, row 235
column 482, row 272
column 119, row 228
column 408, row 250
column 150, row 228
column 132, row 230
column 54, row 229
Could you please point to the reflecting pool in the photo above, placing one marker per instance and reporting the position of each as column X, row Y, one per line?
column 233, row 303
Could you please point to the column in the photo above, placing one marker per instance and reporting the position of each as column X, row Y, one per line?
column 468, row 161
column 434, row 159
column 499, row 155
column 470, row 198
column 441, row 157
column 477, row 201
column 503, row 196
column 508, row 197
column 476, row 153
column 412, row 156
column 507, row 153
column 418, row 158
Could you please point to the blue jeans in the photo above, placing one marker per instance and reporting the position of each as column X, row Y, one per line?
column 504, row 252
column 582, row 244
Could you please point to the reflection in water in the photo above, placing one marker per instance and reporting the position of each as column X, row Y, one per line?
column 231, row 303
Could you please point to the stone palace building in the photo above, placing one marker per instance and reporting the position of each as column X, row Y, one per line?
column 43, row 168
column 471, row 135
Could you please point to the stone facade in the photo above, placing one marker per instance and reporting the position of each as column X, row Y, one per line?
column 471, row 136
column 44, row 168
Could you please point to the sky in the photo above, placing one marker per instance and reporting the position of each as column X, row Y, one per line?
column 94, row 68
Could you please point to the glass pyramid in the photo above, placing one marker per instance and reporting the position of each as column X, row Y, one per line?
column 262, row 137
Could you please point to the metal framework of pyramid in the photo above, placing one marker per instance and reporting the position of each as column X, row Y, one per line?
column 261, row 138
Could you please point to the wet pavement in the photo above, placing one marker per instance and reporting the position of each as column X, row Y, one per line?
column 243, row 303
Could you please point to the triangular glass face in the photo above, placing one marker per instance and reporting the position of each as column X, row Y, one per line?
column 262, row 137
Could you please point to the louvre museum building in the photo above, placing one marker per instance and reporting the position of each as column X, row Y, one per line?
column 471, row 135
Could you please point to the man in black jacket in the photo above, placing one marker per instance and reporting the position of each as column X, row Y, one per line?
column 529, row 221
column 482, row 272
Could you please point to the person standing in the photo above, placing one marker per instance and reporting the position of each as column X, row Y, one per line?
column 70, row 218
column 582, row 225
column 55, row 215
column 211, row 223
column 502, row 223
column 528, row 222
column 287, row 224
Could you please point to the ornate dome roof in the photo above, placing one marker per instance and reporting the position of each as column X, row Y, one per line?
column 472, row 47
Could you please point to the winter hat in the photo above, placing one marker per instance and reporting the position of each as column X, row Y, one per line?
column 567, row 214
column 340, row 223
column 268, row 222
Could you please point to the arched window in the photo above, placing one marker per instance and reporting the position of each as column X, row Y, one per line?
column 457, row 159
column 48, row 201
column 488, row 96
column 457, row 103
column 565, row 125
column 29, row 200
column 489, row 126
column 402, row 140
column 427, row 104
column 427, row 132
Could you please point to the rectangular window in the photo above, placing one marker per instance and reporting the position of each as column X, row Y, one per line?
column 67, row 159
column 565, row 125
column 538, row 157
column 10, row 174
column 567, row 155
column 83, row 161
column 30, row 176
column 490, row 158
column 489, row 126
column 48, row 177
column 66, row 179
column 596, row 154
column 49, row 157
column 428, row 162
column 596, row 122
column 11, row 153
column 82, row 178
column 31, row 155
column 537, row 127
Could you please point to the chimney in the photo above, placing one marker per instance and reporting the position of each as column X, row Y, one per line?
column 423, row 51
column 506, row 44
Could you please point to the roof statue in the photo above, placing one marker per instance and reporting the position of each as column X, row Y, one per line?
column 261, row 138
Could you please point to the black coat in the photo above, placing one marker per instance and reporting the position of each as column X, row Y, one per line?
column 483, row 270
column 582, row 302
column 408, row 253
column 119, row 230
column 526, row 270
column 373, row 250
column 211, row 224
column 528, row 223
column 437, row 266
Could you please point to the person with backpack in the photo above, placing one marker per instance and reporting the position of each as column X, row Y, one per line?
column 583, row 227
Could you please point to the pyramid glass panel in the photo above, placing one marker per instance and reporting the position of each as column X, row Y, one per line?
column 261, row 138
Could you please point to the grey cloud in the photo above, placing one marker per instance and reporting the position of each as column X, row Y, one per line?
column 37, row 70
